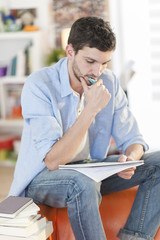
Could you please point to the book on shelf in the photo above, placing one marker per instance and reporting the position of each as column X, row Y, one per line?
column 41, row 234
column 21, row 63
column 13, row 66
column 20, row 219
column 99, row 171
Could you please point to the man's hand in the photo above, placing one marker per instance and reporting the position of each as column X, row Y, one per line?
column 97, row 97
column 128, row 173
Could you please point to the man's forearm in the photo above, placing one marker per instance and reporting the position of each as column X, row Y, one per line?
column 135, row 151
column 63, row 150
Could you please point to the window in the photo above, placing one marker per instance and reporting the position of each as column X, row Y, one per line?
column 137, row 27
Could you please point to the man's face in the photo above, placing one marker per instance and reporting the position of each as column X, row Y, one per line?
column 89, row 62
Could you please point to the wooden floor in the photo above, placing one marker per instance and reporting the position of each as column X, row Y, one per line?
column 6, row 177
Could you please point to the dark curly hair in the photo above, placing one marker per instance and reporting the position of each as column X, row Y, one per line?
column 92, row 32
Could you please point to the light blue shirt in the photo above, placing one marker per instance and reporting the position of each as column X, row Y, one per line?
column 49, row 110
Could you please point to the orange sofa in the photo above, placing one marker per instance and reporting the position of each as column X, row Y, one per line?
column 114, row 209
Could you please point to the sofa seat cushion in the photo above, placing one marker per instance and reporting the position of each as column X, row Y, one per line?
column 114, row 210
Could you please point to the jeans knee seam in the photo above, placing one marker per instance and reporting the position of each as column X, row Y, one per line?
column 79, row 219
column 145, row 203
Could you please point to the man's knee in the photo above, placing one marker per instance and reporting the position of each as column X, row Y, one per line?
column 82, row 186
column 152, row 158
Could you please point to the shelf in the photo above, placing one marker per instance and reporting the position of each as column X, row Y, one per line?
column 19, row 35
column 19, row 4
column 13, row 79
column 7, row 163
column 11, row 123
column 18, row 41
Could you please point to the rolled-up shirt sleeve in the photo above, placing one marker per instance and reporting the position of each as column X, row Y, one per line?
column 42, row 116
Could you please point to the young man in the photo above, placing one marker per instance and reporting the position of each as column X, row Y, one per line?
column 67, row 119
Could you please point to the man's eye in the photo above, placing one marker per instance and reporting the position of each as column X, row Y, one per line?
column 90, row 61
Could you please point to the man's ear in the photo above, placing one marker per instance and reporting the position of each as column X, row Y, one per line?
column 69, row 51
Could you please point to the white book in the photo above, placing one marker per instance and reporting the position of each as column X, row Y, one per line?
column 12, row 206
column 99, row 171
column 23, row 231
column 20, row 66
column 41, row 234
column 19, row 222
column 32, row 209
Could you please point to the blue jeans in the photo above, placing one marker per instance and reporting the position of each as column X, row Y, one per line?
column 82, row 196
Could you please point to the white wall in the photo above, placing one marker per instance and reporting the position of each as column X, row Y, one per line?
column 137, row 26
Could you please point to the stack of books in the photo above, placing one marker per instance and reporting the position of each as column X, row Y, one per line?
column 20, row 220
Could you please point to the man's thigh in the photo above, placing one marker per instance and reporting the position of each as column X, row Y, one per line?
column 56, row 188
column 142, row 173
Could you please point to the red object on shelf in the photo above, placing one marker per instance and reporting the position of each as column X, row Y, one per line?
column 16, row 112
column 6, row 142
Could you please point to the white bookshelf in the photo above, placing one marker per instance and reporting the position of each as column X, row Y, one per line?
column 18, row 41
column 13, row 42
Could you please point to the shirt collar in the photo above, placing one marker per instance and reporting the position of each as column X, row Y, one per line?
column 64, row 78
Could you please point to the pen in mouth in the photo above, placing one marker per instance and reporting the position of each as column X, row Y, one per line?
column 92, row 80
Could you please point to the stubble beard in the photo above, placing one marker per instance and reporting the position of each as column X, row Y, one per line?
column 76, row 70
column 77, row 73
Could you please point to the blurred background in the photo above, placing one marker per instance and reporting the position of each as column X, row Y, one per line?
column 33, row 34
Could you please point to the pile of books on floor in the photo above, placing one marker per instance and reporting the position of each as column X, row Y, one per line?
column 20, row 220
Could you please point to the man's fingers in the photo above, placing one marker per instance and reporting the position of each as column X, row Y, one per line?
column 84, row 84
column 99, row 82
column 122, row 158
column 127, row 174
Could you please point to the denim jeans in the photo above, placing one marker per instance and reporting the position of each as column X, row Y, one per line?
column 82, row 196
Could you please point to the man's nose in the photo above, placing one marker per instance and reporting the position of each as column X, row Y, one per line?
column 97, row 70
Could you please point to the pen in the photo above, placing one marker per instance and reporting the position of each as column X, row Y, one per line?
column 92, row 80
